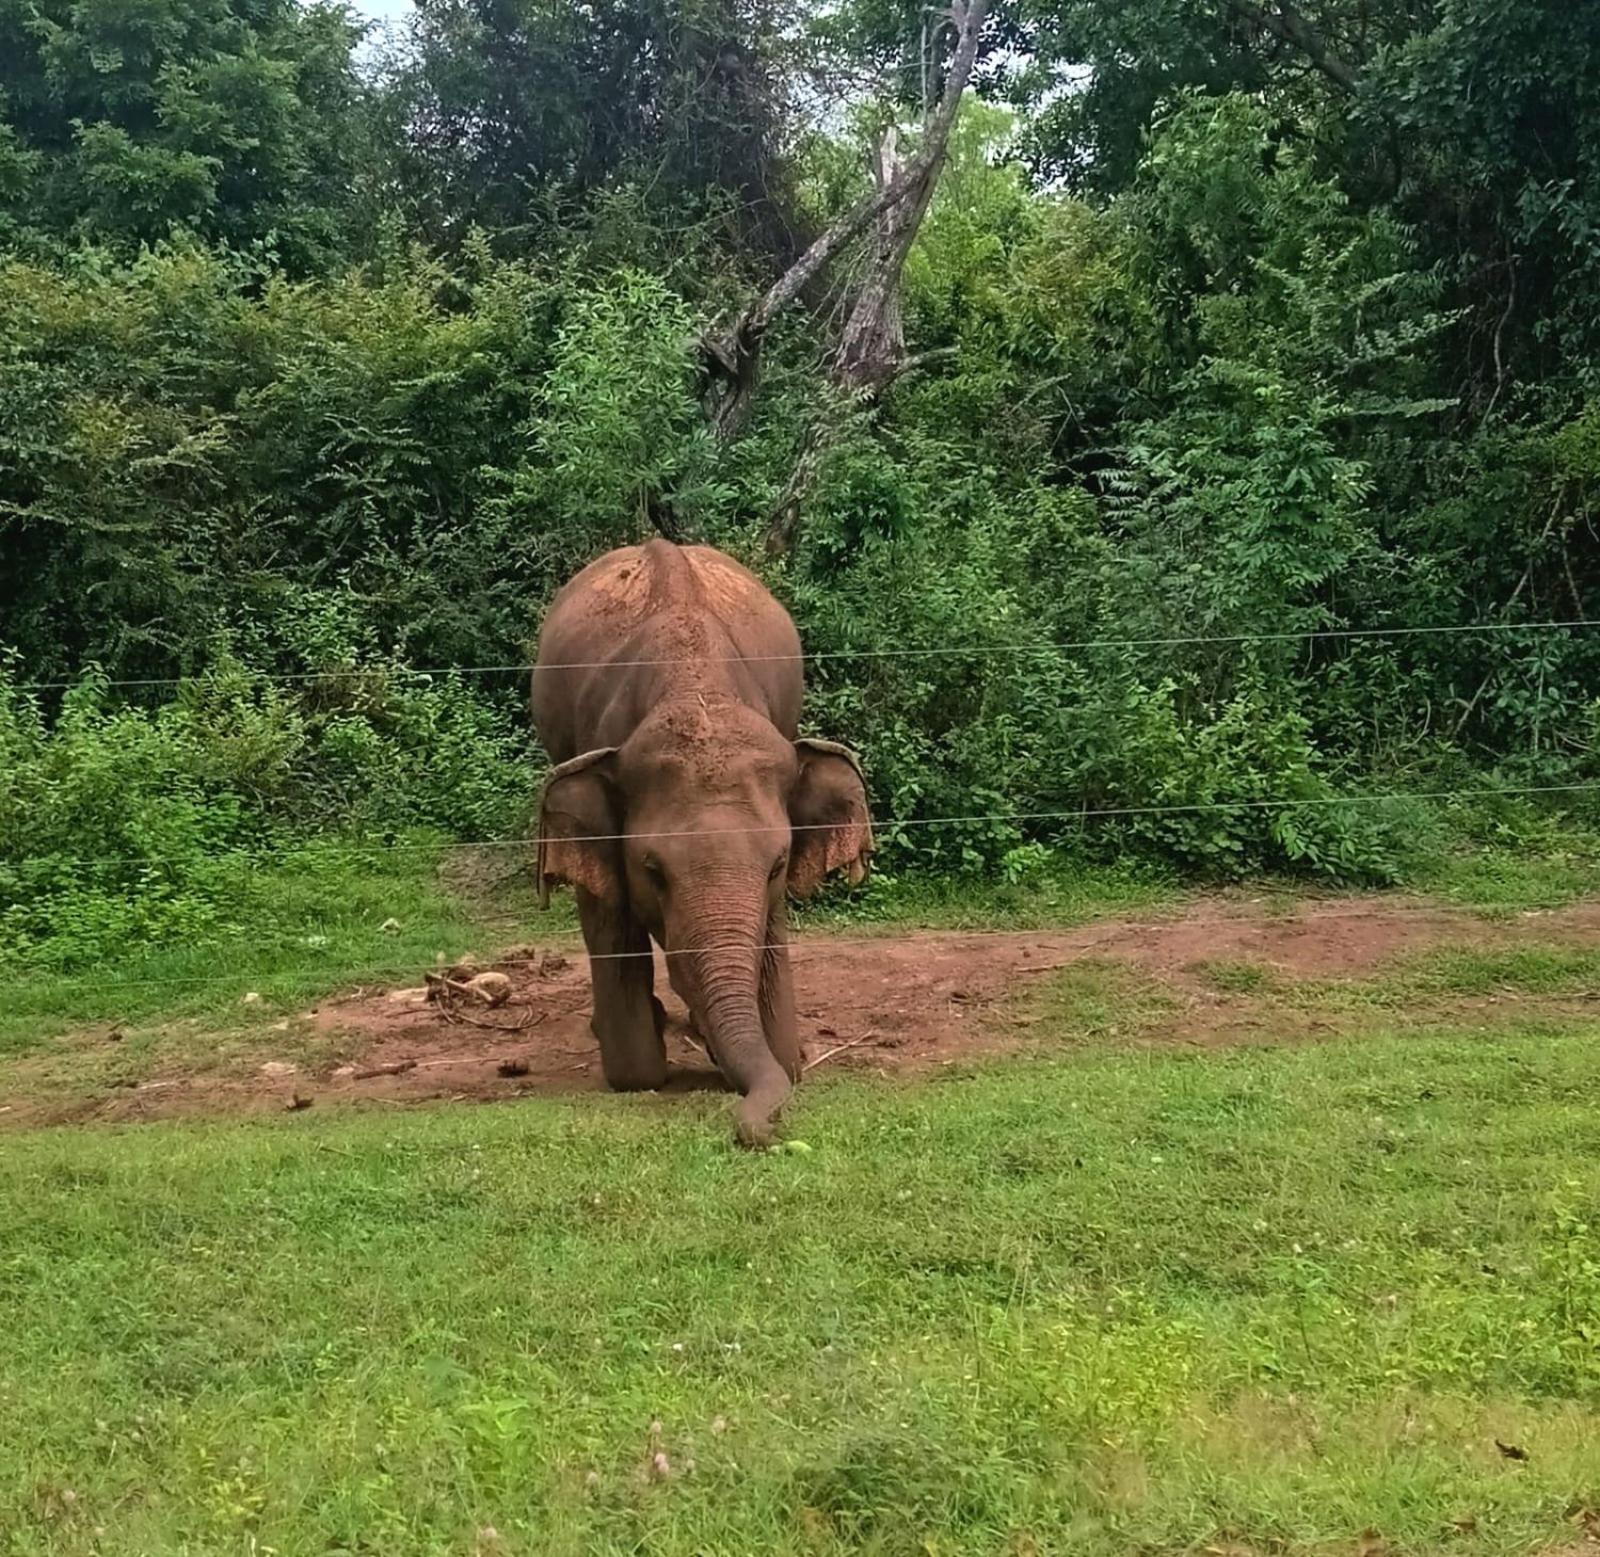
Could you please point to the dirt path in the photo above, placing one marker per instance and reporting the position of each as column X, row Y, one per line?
column 894, row 1002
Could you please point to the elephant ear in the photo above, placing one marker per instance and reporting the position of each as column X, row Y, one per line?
column 828, row 811
column 579, row 820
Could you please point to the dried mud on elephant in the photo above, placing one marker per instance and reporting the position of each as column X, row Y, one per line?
column 684, row 809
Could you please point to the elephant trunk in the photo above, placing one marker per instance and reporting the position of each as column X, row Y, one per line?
column 724, row 964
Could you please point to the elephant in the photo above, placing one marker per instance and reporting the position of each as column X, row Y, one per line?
column 684, row 808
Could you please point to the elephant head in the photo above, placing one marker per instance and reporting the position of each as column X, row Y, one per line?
column 695, row 829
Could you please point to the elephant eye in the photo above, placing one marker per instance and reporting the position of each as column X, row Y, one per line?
column 652, row 868
column 781, row 865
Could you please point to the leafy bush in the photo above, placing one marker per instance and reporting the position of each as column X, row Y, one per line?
column 120, row 826
column 1061, row 573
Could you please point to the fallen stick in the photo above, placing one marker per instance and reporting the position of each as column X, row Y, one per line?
column 456, row 1061
column 1049, row 967
column 394, row 1068
column 837, row 1049
column 491, row 987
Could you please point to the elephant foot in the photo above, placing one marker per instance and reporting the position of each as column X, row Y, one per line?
column 636, row 1078
column 634, row 1067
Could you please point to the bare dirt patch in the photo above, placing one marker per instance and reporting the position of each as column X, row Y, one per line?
column 896, row 1002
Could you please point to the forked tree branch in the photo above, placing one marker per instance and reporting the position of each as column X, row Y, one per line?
column 732, row 356
column 1285, row 23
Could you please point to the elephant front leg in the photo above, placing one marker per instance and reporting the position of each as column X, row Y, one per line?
column 622, row 977
column 777, row 997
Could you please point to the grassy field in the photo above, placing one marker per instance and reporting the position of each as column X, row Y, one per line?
column 1106, row 1297
column 1265, row 1299
column 323, row 918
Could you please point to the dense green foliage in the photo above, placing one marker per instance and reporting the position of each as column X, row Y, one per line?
column 119, row 826
column 678, row 98
column 322, row 372
column 238, row 123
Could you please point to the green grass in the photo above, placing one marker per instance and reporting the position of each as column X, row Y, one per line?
column 1234, row 977
column 1063, row 892
column 320, row 927
column 1094, row 999
column 1530, row 970
column 1430, row 986
column 1098, row 1304
column 1509, row 854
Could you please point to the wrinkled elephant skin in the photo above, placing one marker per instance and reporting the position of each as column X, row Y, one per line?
column 684, row 808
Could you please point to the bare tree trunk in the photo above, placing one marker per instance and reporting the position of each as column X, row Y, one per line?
column 732, row 357
column 873, row 341
column 872, row 349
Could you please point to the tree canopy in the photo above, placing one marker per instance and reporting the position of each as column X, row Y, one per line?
column 240, row 124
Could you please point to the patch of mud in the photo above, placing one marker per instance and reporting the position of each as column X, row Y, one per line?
column 900, row 1002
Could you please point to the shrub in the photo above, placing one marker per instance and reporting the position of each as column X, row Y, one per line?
column 121, row 826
